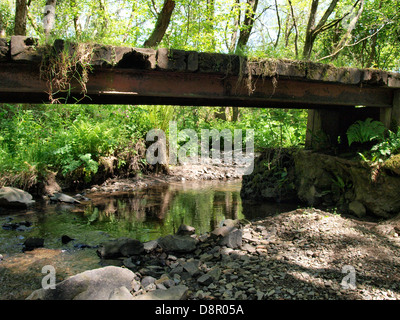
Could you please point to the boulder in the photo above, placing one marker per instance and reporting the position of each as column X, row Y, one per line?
column 393, row 164
column 176, row 243
column 357, row 208
column 15, row 198
column 122, row 247
column 98, row 284
column 131, row 247
column 121, row 293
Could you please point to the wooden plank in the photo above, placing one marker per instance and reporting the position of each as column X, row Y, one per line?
column 129, row 86
column 395, row 116
column 313, row 126
column 385, row 116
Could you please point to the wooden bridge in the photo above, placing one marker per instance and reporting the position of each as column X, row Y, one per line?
column 121, row 75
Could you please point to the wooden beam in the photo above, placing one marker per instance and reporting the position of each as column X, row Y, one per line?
column 21, row 83
column 395, row 116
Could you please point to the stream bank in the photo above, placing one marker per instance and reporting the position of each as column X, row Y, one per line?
column 291, row 254
column 298, row 255
column 344, row 185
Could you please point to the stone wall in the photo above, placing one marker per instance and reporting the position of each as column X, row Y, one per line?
column 320, row 180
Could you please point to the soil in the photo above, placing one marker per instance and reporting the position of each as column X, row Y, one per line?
column 188, row 172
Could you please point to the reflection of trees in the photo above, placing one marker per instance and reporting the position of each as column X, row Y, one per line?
column 159, row 211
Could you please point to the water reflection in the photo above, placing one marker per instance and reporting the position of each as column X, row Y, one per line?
column 151, row 213
column 144, row 215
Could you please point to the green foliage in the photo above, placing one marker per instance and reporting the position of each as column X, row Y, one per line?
column 365, row 131
column 6, row 17
column 66, row 139
column 383, row 149
column 72, row 139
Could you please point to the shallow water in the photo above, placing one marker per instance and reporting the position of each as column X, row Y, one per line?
column 144, row 215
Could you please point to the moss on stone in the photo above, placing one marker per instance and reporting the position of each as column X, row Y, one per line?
column 393, row 164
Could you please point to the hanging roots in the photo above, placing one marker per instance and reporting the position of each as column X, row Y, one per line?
column 62, row 67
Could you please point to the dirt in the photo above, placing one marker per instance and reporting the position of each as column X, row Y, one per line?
column 307, row 250
column 188, row 172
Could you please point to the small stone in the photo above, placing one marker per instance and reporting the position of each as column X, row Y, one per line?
column 205, row 280
column 239, row 294
column 185, row 230
column 270, row 293
column 233, row 239
column 175, row 293
column 177, row 278
column 214, row 273
column 212, row 286
column 65, row 239
column 192, row 267
column 146, row 281
column 135, row 285
column 32, row 243
column 150, row 245
column 199, row 294
column 160, row 286
column 206, row 257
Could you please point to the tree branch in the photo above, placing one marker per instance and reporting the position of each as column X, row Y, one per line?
column 354, row 44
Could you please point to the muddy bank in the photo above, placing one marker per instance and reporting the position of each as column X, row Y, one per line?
column 190, row 172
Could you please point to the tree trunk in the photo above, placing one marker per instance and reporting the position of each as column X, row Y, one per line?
column 210, row 19
column 312, row 31
column 162, row 24
column 220, row 113
column 309, row 41
column 235, row 114
column 49, row 17
column 232, row 45
column 21, row 11
column 349, row 30
column 296, row 37
column 247, row 25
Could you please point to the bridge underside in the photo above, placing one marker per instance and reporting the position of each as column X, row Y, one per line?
column 176, row 77
column 20, row 83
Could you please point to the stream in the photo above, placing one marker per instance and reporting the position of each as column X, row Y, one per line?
column 145, row 215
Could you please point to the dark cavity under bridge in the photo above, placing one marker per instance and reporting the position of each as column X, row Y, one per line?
column 122, row 75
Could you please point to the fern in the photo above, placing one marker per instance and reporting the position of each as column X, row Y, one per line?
column 365, row 131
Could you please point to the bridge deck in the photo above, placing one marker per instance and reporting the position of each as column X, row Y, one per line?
column 144, row 76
